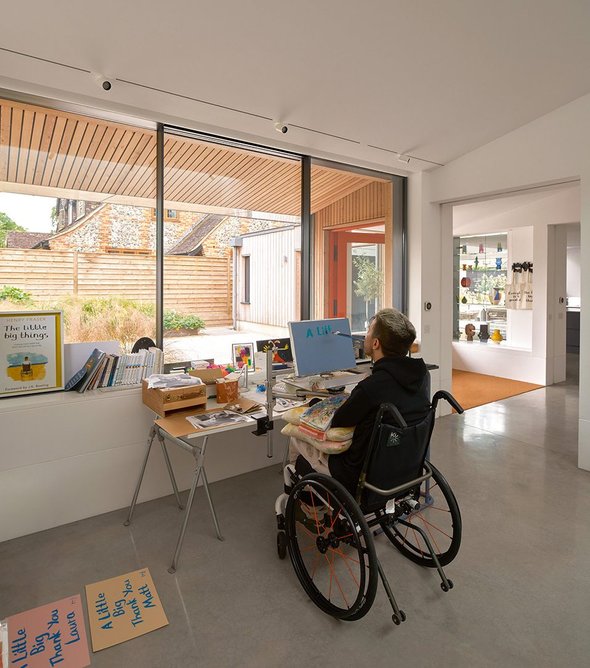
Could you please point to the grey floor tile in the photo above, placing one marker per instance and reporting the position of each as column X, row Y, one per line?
column 522, row 581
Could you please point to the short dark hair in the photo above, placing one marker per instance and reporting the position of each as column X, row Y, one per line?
column 394, row 331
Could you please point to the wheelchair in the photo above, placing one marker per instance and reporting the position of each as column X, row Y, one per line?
column 328, row 534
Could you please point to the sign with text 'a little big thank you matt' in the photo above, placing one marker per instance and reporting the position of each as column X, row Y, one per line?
column 122, row 608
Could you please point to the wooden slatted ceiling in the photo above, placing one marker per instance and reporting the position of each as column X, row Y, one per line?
column 62, row 151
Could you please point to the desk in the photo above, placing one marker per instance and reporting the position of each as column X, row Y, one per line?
column 176, row 429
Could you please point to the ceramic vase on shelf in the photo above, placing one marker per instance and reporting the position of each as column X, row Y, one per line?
column 496, row 336
column 483, row 332
column 495, row 296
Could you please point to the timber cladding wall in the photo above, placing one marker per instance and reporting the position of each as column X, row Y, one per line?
column 193, row 285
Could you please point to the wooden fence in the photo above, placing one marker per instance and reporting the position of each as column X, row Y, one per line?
column 192, row 285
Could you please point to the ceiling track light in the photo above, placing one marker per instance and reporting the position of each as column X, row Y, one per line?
column 281, row 127
column 403, row 158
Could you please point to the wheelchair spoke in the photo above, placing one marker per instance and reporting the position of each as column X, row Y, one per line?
column 442, row 525
column 324, row 521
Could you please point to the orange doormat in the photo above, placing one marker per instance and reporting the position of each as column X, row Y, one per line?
column 476, row 389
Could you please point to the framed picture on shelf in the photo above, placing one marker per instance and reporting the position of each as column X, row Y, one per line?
column 242, row 355
column 31, row 352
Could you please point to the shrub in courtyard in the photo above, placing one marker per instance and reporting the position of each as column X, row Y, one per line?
column 15, row 295
column 179, row 323
column 107, row 319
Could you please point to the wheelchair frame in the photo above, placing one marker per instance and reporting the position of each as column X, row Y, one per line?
column 346, row 523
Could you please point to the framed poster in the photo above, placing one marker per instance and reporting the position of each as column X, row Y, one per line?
column 31, row 352
column 242, row 355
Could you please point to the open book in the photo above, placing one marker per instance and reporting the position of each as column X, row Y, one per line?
column 316, row 420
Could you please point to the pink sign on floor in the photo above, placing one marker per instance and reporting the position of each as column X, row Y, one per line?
column 50, row 635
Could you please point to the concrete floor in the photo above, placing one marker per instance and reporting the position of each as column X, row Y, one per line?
column 522, row 581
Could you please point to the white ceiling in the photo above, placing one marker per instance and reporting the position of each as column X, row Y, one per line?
column 555, row 205
column 432, row 79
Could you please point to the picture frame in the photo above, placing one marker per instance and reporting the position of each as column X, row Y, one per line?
column 31, row 352
column 242, row 354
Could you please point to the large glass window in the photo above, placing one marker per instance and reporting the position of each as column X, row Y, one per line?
column 353, row 244
column 231, row 273
column 77, row 221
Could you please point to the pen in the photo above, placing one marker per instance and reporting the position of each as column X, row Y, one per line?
column 337, row 333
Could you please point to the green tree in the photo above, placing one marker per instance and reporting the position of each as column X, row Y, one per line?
column 7, row 224
column 369, row 284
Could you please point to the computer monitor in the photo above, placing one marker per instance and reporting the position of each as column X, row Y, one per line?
column 321, row 346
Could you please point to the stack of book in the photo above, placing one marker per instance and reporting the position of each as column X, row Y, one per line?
column 316, row 420
column 106, row 370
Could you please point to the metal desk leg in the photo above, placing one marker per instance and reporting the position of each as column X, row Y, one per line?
column 138, row 486
column 187, row 512
column 170, row 471
column 206, row 486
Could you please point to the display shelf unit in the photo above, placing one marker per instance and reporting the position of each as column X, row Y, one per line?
column 479, row 277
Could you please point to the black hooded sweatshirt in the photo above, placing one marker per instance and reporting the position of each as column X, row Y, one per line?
column 402, row 381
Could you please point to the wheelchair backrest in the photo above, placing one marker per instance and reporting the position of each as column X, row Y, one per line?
column 395, row 454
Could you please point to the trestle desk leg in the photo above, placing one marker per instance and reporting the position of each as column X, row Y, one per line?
column 187, row 512
column 269, row 444
column 150, row 440
column 170, row 471
column 211, row 506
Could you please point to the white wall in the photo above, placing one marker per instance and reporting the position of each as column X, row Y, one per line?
column 573, row 264
column 552, row 149
column 66, row 456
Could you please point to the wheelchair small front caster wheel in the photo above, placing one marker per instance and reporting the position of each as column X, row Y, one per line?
column 282, row 544
column 397, row 620
column 445, row 587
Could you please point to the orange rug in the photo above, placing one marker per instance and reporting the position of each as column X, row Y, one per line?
column 476, row 389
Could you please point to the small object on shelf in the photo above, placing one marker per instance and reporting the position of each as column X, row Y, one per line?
column 498, row 263
column 476, row 263
column 499, row 246
column 464, row 300
column 495, row 296
column 464, row 267
column 470, row 267
column 469, row 331
column 465, row 282
column 496, row 336
column 481, row 248
column 484, row 334
column 465, row 248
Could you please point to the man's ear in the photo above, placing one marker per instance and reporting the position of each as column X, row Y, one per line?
column 376, row 344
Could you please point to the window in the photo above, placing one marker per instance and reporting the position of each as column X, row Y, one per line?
column 171, row 214
column 480, row 283
column 246, row 278
column 92, row 258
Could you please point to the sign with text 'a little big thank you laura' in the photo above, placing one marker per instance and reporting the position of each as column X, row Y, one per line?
column 50, row 635
column 122, row 608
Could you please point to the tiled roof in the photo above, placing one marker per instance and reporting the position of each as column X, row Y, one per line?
column 189, row 244
column 25, row 239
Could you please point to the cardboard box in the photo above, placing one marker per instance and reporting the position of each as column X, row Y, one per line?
column 209, row 377
column 166, row 400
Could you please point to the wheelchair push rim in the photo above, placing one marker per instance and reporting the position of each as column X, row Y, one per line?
column 331, row 547
column 439, row 517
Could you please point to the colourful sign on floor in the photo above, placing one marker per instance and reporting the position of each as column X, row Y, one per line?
column 123, row 608
column 50, row 635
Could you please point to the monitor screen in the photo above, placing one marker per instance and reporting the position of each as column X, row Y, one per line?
column 321, row 346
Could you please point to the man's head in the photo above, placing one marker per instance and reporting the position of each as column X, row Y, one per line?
column 390, row 334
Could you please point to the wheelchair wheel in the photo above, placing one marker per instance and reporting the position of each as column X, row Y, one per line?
column 331, row 547
column 439, row 517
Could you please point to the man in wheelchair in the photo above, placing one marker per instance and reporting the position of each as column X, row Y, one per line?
column 326, row 531
column 396, row 378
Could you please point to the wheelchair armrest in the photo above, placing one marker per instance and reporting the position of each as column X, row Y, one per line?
column 447, row 396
